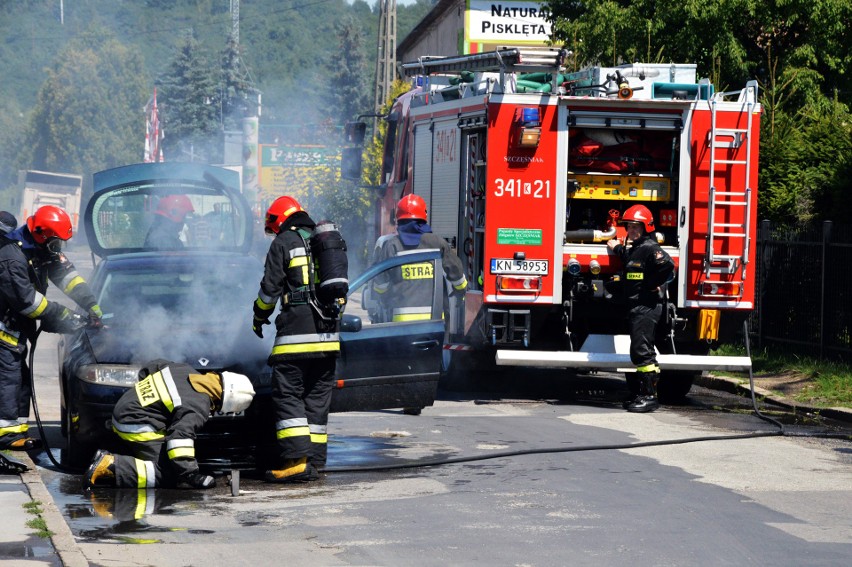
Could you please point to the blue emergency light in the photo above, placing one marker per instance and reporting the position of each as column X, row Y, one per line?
column 530, row 117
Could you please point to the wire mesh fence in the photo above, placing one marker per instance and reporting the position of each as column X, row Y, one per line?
column 804, row 301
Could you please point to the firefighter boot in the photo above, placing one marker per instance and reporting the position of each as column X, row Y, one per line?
column 293, row 470
column 647, row 399
column 102, row 470
column 22, row 443
column 11, row 466
column 634, row 388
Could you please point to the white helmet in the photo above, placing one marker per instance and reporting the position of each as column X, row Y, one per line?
column 237, row 392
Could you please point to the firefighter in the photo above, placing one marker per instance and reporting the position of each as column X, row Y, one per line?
column 648, row 269
column 30, row 256
column 169, row 220
column 306, row 348
column 8, row 222
column 157, row 420
column 407, row 294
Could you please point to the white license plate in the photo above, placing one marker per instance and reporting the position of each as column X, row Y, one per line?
column 220, row 415
column 509, row 266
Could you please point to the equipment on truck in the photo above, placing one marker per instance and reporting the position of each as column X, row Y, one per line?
column 526, row 170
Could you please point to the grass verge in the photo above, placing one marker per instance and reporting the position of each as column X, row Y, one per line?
column 827, row 383
column 38, row 524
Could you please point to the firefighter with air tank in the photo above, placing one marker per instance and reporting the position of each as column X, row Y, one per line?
column 299, row 264
column 647, row 271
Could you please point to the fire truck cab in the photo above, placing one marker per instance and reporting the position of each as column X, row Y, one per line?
column 527, row 167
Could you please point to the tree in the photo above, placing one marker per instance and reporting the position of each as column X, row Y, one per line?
column 88, row 115
column 797, row 50
column 350, row 90
column 236, row 87
column 187, row 95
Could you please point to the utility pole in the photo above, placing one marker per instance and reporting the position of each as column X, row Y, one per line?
column 235, row 20
column 386, row 54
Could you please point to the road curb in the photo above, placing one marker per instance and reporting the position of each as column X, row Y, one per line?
column 63, row 540
column 740, row 386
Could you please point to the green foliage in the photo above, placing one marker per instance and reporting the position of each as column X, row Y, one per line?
column 236, row 97
column 797, row 50
column 187, row 96
column 88, row 109
column 350, row 90
column 372, row 172
column 829, row 382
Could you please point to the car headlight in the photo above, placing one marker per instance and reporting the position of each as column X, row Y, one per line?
column 109, row 374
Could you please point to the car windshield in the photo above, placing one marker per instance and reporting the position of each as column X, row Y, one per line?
column 133, row 221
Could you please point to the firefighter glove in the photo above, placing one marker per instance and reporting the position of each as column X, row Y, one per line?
column 198, row 480
column 66, row 322
column 257, row 326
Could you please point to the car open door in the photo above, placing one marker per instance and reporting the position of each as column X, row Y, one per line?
column 389, row 364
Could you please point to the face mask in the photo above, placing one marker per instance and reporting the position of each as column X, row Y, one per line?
column 54, row 245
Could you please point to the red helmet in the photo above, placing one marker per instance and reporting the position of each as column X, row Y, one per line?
column 279, row 211
column 50, row 222
column 411, row 207
column 640, row 214
column 174, row 207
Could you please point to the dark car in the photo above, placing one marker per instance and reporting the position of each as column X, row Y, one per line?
column 192, row 303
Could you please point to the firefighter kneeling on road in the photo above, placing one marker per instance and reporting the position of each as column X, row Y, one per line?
column 158, row 419
column 406, row 295
column 307, row 345
column 648, row 269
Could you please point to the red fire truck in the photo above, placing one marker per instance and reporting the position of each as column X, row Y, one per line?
column 526, row 169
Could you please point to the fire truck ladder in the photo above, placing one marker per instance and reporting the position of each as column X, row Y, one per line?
column 733, row 197
column 503, row 60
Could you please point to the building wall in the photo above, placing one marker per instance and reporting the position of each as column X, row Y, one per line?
column 440, row 33
column 444, row 30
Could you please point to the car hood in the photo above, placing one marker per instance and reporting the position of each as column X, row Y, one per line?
column 220, row 345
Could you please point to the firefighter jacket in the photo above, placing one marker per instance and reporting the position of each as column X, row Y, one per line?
column 301, row 331
column 406, row 292
column 25, row 270
column 165, row 407
column 647, row 268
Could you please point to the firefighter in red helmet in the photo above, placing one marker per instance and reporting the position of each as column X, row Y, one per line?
column 648, row 269
column 306, row 348
column 30, row 257
column 169, row 220
column 406, row 298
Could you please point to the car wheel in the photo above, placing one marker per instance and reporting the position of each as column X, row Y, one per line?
column 412, row 411
column 76, row 455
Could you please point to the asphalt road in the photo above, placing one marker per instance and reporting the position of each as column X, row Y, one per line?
column 571, row 492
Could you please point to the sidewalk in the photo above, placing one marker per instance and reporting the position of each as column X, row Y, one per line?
column 19, row 544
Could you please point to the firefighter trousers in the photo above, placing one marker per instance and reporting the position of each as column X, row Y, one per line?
column 148, row 468
column 15, row 396
column 301, row 395
column 643, row 330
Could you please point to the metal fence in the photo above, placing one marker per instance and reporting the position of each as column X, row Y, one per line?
column 804, row 291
